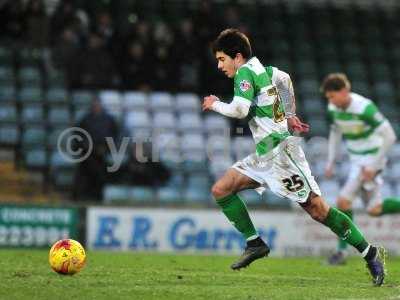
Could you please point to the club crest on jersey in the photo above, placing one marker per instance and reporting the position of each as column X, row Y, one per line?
column 244, row 85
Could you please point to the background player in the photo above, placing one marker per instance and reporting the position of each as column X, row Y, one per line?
column 369, row 136
column 266, row 94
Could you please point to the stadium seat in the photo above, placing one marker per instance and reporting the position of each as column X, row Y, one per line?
column 115, row 193
column 58, row 161
column 55, row 78
column 34, row 136
column 137, row 119
column 32, row 113
column 194, row 162
column 63, row 178
column 192, row 143
column 219, row 165
column 134, row 100
column 196, row 195
column 36, row 159
column 161, row 101
column 274, row 201
column 53, row 135
column 199, row 180
column 330, row 189
column 6, row 56
column 164, row 120
column 169, row 194
column 112, row 102
column 318, row 126
column 218, row 145
column 7, row 93
column 6, row 75
column 190, row 122
column 30, row 94
column 216, row 124
column 8, row 113
column 242, row 146
column 57, row 95
column 30, row 77
column 59, row 115
column 187, row 102
column 9, row 135
column 140, row 194
column 81, row 98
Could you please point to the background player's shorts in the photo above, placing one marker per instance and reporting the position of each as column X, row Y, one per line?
column 370, row 192
column 286, row 173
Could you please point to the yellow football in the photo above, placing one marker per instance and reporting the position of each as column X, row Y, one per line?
column 67, row 257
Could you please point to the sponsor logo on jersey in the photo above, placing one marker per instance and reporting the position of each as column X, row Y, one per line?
column 302, row 193
column 244, row 85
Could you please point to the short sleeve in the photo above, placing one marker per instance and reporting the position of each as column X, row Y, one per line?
column 372, row 116
column 244, row 84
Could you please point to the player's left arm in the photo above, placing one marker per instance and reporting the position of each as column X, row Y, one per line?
column 284, row 86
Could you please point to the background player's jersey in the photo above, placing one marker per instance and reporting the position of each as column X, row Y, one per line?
column 255, row 83
column 357, row 124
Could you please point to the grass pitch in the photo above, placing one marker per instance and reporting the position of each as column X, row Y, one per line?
column 25, row 274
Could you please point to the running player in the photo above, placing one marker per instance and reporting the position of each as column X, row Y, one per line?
column 369, row 136
column 266, row 94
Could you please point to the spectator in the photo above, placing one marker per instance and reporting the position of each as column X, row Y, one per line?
column 91, row 174
column 136, row 68
column 94, row 68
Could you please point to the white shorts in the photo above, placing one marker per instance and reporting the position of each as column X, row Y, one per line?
column 286, row 172
column 369, row 192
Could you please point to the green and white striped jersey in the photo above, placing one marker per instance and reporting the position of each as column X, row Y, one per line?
column 357, row 124
column 255, row 83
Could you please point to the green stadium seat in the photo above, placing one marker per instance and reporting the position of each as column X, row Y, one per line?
column 63, row 179
column 53, row 136
column 55, row 78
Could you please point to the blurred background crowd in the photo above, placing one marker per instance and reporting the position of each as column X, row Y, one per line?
column 127, row 68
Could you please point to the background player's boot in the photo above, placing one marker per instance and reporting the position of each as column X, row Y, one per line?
column 337, row 258
column 250, row 254
column 376, row 266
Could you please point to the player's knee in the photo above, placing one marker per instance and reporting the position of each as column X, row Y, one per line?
column 218, row 191
column 375, row 211
column 343, row 204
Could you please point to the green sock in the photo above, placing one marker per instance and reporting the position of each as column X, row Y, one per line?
column 342, row 244
column 345, row 229
column 236, row 211
column 390, row 206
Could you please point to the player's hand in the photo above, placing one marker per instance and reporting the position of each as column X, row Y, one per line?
column 367, row 174
column 329, row 170
column 208, row 102
column 296, row 125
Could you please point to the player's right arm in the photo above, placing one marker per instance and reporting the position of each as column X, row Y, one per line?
column 244, row 94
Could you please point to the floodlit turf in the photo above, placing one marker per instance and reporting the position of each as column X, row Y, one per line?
column 25, row 274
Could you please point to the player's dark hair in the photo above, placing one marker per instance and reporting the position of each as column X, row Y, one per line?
column 335, row 82
column 231, row 41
